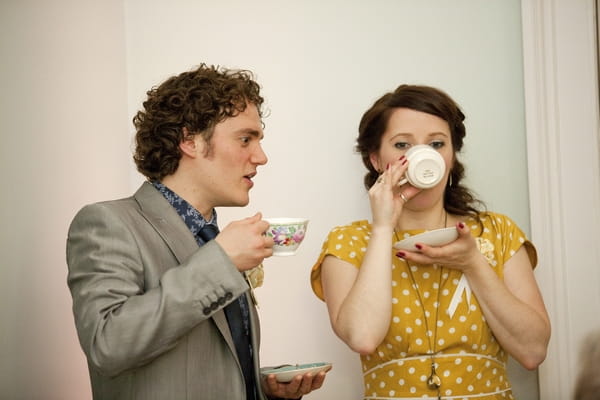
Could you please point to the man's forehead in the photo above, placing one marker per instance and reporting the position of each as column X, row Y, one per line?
column 247, row 121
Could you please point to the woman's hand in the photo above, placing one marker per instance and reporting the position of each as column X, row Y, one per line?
column 387, row 198
column 512, row 305
column 461, row 254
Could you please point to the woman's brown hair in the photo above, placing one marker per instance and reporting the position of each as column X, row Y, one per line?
column 458, row 199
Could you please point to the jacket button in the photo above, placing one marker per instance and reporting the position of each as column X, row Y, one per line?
column 228, row 296
column 214, row 305
column 206, row 310
column 221, row 300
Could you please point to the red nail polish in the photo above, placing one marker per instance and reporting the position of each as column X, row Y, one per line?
column 461, row 225
column 388, row 166
column 400, row 254
column 418, row 246
column 404, row 162
column 401, row 158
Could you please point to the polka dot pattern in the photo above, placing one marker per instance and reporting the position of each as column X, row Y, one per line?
column 469, row 361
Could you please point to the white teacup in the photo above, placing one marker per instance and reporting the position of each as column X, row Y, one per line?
column 287, row 233
column 426, row 167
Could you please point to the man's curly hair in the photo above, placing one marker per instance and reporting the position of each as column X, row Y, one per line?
column 196, row 100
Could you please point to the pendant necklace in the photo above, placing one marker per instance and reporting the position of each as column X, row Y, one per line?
column 433, row 381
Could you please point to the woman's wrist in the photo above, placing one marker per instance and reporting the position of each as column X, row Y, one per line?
column 476, row 264
column 381, row 229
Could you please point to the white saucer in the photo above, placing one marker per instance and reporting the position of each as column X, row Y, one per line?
column 438, row 237
column 286, row 373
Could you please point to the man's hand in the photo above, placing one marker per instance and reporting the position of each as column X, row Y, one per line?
column 294, row 389
column 245, row 243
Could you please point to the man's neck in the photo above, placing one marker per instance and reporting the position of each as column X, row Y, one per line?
column 189, row 193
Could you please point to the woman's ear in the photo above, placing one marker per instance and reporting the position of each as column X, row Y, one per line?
column 374, row 158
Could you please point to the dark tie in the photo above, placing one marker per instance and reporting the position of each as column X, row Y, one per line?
column 208, row 232
column 238, row 318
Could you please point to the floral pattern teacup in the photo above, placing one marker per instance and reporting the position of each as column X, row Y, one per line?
column 287, row 233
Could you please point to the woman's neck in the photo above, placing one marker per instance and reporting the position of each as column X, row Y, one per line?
column 425, row 219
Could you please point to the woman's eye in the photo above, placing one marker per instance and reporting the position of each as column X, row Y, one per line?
column 437, row 144
column 401, row 145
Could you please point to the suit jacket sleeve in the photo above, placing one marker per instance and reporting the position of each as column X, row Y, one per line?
column 134, row 297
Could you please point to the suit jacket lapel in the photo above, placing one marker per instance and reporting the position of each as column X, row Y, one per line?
column 173, row 230
column 165, row 220
column 255, row 333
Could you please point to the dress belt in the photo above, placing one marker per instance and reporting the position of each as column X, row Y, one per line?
column 426, row 357
column 468, row 396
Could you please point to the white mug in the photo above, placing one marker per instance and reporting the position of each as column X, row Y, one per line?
column 426, row 167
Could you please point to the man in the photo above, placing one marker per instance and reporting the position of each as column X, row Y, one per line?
column 161, row 309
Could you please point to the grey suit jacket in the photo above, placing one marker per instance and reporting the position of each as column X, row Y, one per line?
column 148, row 303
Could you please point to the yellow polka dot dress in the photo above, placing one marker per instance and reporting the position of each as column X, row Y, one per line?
column 468, row 360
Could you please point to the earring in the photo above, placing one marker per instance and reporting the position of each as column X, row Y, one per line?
column 450, row 180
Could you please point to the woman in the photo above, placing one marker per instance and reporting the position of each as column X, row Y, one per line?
column 432, row 322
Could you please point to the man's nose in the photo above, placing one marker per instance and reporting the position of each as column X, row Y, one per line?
column 259, row 157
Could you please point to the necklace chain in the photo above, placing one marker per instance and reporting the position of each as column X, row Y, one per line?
column 433, row 382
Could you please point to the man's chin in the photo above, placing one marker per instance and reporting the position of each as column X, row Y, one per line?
column 241, row 202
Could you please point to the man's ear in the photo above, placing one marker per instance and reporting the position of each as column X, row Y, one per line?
column 191, row 145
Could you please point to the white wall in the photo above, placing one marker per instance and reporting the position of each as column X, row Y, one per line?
column 65, row 127
column 321, row 64
column 63, row 142
column 563, row 135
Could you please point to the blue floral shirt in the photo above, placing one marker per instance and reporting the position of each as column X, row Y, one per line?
column 192, row 217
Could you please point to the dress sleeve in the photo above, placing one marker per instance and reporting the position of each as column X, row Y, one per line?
column 513, row 238
column 348, row 243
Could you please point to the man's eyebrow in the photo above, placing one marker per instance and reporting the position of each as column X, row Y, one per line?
column 253, row 132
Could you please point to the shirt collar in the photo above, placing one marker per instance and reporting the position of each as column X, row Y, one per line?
column 192, row 217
